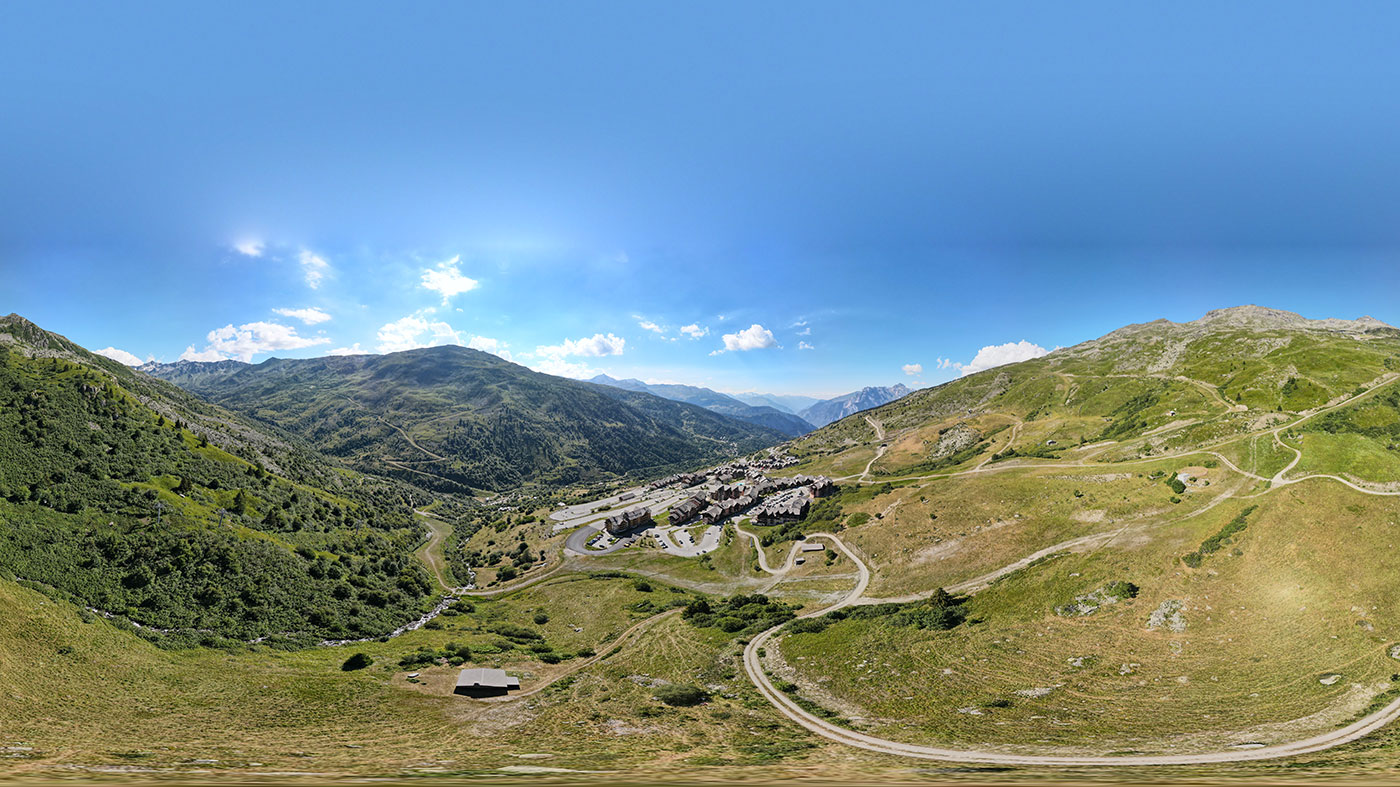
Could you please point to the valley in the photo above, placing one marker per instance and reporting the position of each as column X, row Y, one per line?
column 1168, row 551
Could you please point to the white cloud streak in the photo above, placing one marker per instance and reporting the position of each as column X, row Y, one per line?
column 695, row 331
column 913, row 369
column 314, row 267
column 120, row 356
column 311, row 316
column 595, row 346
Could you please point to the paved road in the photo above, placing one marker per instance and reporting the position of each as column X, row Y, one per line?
column 582, row 514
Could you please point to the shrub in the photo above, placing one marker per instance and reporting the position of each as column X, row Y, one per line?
column 541, row 618
column 681, row 695
column 808, row 626
column 641, row 585
column 741, row 614
column 357, row 661
column 551, row 658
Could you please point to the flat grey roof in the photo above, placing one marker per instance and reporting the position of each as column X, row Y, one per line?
column 494, row 678
column 812, row 547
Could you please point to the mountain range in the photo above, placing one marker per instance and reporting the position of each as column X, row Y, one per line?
column 768, row 409
column 831, row 410
column 456, row 419
column 764, row 415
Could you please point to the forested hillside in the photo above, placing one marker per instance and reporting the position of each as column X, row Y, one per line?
column 131, row 497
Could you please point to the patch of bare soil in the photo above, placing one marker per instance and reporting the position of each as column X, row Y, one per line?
column 810, row 687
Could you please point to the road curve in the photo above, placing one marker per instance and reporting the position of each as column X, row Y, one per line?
column 753, row 667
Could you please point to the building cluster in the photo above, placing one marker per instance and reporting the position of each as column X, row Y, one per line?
column 774, row 461
column 777, row 499
column 743, row 486
column 682, row 480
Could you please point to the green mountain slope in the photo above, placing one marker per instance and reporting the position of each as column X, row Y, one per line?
column 1148, row 388
column 133, row 497
column 455, row 419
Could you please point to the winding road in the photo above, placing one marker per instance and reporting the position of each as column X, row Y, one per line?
column 753, row 667
column 753, row 663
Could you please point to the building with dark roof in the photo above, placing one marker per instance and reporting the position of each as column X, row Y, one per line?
column 631, row 519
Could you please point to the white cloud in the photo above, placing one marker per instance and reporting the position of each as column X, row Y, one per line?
column 805, row 332
column 207, row 354
column 562, row 368
column 648, row 325
column 309, row 316
column 447, row 280
column 414, row 332
column 805, row 346
column 314, row 267
column 250, row 339
column 250, row 248
column 694, row 331
column 120, row 356
column 353, row 349
column 489, row 345
column 913, row 369
column 994, row 355
column 947, row 363
column 595, row 346
column 754, row 337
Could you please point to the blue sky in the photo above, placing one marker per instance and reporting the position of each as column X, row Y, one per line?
column 889, row 186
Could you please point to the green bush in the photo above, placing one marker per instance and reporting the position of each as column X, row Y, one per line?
column 738, row 614
column 357, row 661
column 681, row 695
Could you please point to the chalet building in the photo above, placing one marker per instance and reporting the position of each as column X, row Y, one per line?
column 821, row 486
column 631, row 519
column 687, row 509
column 722, row 509
column 485, row 683
column 729, row 492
